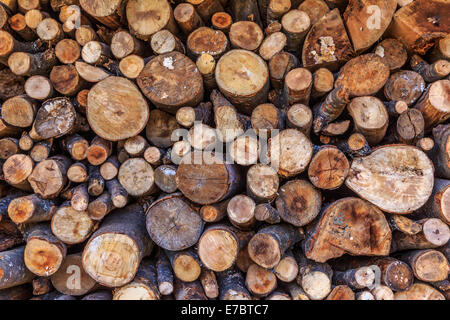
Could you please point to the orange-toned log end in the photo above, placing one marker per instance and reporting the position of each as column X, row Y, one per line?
column 341, row 292
column 328, row 168
column 42, row 257
column 260, row 281
column 349, row 225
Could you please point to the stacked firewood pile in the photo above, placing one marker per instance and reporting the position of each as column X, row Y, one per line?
column 224, row 149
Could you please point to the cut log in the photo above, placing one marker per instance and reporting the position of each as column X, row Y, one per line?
column 358, row 278
column 328, row 168
column 341, row 292
column 370, row 118
column 164, row 275
column 241, row 211
column 441, row 160
column 410, row 126
column 327, row 44
column 100, row 207
column 17, row 169
column 395, row 274
column 404, row 86
column 38, row 87
column 173, row 224
column 244, row 150
column 187, row 17
column 419, row 24
column 428, row 265
column 160, row 127
column 404, row 224
column 349, row 225
column 91, row 73
column 260, row 281
column 435, row 104
column 232, row 286
column 287, row 269
column 188, row 290
column 296, row 24
column 214, row 212
column 393, row 53
column 246, row 35
column 164, row 75
column 265, row 212
column 67, row 51
column 71, row 226
column 419, row 291
column 276, row 9
column 131, row 66
column 164, row 41
column 221, row 21
column 233, row 79
column 206, row 40
column 367, row 20
column 299, row 117
column 109, row 13
column 19, row 111
column 246, row 10
column 124, row 44
column 8, row 147
column 207, row 66
column 114, row 252
column 185, row 264
column 272, row 44
column 279, row 65
column 66, row 80
column 331, row 108
column 430, row 72
column 206, row 8
column 262, row 182
column 13, row 269
column 136, row 176
column 31, row 208
column 116, row 109
column 71, row 279
column 22, row 63
column 396, row 178
column 209, row 283
column 315, row 9
column 437, row 205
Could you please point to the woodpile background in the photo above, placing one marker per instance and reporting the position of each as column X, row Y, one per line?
column 100, row 201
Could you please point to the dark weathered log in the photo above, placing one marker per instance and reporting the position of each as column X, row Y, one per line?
column 441, row 157
column 232, row 286
column 164, row 274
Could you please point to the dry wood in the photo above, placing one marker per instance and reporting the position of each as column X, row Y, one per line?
column 328, row 168
column 221, row 21
column 164, row 275
column 232, row 286
column 186, row 265
column 410, row 126
column 29, row 209
column 419, row 291
column 276, row 9
column 428, row 265
column 17, row 169
column 160, row 127
column 393, row 53
column 430, row 72
column 434, row 103
column 108, row 13
column 13, row 268
column 246, row 35
column 38, row 87
column 441, row 159
column 315, row 9
column 246, row 10
column 187, row 17
column 143, row 287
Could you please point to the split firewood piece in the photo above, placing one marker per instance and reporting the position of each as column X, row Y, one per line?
column 173, row 223
column 109, row 13
column 136, row 176
column 19, row 111
column 208, row 280
column 434, row 234
column 357, row 278
column 187, row 17
column 125, row 229
column 164, row 75
column 428, row 265
column 299, row 117
column 404, row 224
column 341, row 292
column 437, row 205
column 186, row 265
column 187, row 116
column 367, row 20
column 275, row 9
column 290, row 151
column 272, row 44
column 419, row 291
column 246, row 10
column 90, row 73
column 124, row 44
column 315, row 278
column 206, row 40
column 265, row 212
column 17, row 169
column 160, row 128
column 100, row 207
column 214, row 212
column 347, row 226
column 76, row 146
column 419, row 24
column 216, row 180
column 8, row 147
column 267, row 247
column 353, row 75
column 262, row 182
column 279, row 65
column 38, row 87
column 71, row 226
column 298, row 202
column 232, row 286
column 410, row 126
column 116, row 109
column 396, row 178
column 66, row 80
column 188, row 290
column 434, row 103
column 143, row 287
column 246, row 35
column 31, row 208
column 221, row 21
column 331, row 108
column 259, row 281
column 393, row 52
column 327, row 44
column 287, row 269
column 328, row 168
column 146, row 17
column 404, row 86
column 164, row 274
column 315, row 9
column 71, row 279
column 23, row 63
column 58, row 111
column 241, row 212
column 43, row 253
column 49, row 177
column 13, row 268
column 370, row 118
column 296, row 24
column 441, row 159
column 207, row 67
column 243, row 78
column 430, row 72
